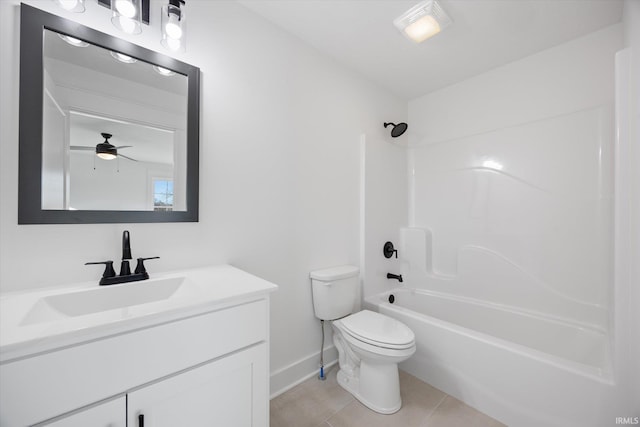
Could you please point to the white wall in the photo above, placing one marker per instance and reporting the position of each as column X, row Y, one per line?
column 280, row 132
column 514, row 181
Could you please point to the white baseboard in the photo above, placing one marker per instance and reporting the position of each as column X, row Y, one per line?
column 290, row 376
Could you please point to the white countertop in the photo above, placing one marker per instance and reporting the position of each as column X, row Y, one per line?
column 210, row 288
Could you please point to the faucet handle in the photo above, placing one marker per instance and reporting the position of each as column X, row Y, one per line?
column 388, row 250
column 108, row 268
column 140, row 266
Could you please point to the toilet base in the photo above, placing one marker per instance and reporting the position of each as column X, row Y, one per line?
column 376, row 386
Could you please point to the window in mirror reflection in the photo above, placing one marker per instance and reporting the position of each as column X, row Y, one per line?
column 162, row 194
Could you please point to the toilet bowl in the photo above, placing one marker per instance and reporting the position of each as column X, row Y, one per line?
column 370, row 345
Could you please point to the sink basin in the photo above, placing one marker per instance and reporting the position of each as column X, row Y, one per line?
column 105, row 298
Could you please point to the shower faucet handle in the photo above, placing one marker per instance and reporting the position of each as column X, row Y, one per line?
column 388, row 250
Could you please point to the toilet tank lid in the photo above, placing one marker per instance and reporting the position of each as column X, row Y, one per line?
column 335, row 273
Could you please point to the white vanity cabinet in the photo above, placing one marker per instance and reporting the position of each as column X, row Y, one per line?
column 226, row 392
column 110, row 414
column 203, row 365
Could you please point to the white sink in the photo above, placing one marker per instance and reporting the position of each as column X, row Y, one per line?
column 105, row 298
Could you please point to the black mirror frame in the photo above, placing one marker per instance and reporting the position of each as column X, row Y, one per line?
column 32, row 24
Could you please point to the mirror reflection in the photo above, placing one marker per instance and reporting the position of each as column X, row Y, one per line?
column 114, row 130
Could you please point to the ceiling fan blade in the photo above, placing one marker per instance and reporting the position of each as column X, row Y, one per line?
column 123, row 146
column 127, row 157
column 82, row 147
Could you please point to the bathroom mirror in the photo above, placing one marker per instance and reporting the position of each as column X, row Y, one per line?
column 109, row 131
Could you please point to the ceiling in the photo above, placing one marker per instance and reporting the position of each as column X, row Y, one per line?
column 485, row 34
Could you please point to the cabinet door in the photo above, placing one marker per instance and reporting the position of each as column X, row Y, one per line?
column 231, row 391
column 108, row 414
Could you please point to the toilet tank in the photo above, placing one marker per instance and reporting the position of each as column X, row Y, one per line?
column 335, row 291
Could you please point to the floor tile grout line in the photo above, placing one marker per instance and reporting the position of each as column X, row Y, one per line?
column 351, row 400
column 433, row 411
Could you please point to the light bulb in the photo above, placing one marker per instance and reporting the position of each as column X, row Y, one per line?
column 422, row 29
column 173, row 28
column 127, row 25
column 163, row 71
column 73, row 41
column 72, row 5
column 106, row 156
column 423, row 20
column 68, row 4
column 123, row 58
column 125, row 8
column 172, row 44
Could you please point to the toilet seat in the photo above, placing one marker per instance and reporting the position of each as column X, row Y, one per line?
column 378, row 330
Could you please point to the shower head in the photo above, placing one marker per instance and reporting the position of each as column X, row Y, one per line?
column 398, row 129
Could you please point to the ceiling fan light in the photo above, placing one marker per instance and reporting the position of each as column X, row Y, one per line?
column 106, row 150
column 106, row 156
column 422, row 21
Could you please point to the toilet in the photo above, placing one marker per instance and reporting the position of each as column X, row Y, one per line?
column 370, row 345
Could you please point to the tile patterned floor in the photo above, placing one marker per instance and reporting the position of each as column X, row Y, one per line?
column 317, row 403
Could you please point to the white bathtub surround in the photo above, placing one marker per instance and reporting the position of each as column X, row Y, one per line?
column 520, row 369
column 508, row 257
column 489, row 277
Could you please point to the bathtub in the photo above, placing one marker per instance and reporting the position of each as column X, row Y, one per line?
column 522, row 368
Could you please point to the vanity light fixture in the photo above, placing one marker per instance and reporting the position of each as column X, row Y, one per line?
column 173, row 26
column 123, row 58
column 126, row 15
column 422, row 21
column 71, row 5
column 73, row 41
column 163, row 71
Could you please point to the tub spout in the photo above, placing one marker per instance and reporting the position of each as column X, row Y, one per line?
column 398, row 277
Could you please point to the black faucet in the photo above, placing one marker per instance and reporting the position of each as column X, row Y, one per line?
column 109, row 276
column 125, row 269
column 398, row 277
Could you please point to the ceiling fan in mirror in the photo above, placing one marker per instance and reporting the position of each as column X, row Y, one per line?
column 105, row 150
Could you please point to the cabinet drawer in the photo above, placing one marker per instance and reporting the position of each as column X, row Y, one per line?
column 41, row 387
